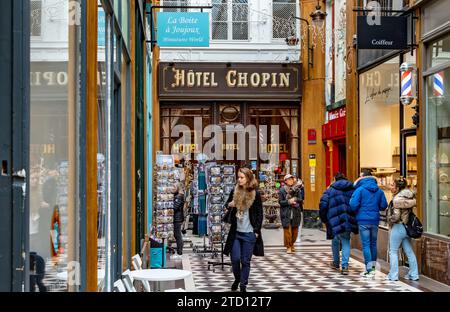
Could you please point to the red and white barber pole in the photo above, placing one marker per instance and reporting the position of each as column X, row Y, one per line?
column 407, row 95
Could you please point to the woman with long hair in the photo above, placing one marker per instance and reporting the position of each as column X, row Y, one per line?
column 245, row 214
column 398, row 212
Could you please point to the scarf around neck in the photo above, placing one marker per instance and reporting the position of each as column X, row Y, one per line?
column 243, row 199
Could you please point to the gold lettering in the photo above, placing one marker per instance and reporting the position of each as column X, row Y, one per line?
column 179, row 78
column 274, row 80
column 265, row 79
column 213, row 80
column 255, row 80
column 190, row 78
column 284, row 80
column 231, row 78
column 206, row 80
column 243, row 80
column 199, row 78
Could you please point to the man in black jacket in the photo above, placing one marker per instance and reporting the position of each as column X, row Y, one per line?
column 178, row 218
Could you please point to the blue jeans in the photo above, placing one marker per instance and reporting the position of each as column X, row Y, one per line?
column 343, row 238
column 368, row 234
column 241, row 255
column 399, row 237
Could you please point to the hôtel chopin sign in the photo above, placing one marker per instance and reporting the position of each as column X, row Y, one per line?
column 183, row 81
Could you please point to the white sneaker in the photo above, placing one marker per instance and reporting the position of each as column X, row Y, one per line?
column 176, row 257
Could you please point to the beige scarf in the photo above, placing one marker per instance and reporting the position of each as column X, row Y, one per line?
column 243, row 200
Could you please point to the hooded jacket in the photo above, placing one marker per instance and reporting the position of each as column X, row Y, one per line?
column 400, row 207
column 335, row 208
column 367, row 201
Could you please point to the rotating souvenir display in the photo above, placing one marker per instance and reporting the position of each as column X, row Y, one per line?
column 221, row 181
column 269, row 188
column 166, row 177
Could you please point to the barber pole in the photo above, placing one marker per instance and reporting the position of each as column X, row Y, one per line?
column 438, row 84
column 406, row 71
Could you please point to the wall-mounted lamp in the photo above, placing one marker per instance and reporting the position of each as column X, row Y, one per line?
column 318, row 21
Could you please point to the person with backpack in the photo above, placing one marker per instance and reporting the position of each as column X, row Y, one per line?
column 400, row 208
column 336, row 214
column 366, row 202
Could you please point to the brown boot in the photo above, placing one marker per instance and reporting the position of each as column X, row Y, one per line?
column 289, row 250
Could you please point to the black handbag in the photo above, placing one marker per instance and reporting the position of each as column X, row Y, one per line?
column 227, row 216
column 414, row 227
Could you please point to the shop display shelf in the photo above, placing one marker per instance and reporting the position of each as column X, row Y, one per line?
column 444, row 165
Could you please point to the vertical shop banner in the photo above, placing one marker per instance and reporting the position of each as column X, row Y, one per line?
column 181, row 29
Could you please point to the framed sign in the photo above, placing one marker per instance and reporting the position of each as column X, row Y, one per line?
column 183, row 29
column 389, row 33
column 312, row 136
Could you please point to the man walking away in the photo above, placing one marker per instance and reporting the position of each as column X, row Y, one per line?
column 340, row 221
column 367, row 201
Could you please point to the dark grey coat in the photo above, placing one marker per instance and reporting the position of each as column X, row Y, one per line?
column 286, row 208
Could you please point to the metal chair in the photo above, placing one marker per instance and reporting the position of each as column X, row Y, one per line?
column 119, row 286
column 128, row 281
column 137, row 265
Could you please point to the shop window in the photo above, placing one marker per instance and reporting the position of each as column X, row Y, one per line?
column 176, row 3
column 439, row 52
column 182, row 120
column 54, row 95
column 438, row 152
column 287, row 147
column 283, row 26
column 230, row 20
column 380, row 123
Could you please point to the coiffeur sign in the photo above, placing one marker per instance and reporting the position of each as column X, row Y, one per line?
column 185, row 81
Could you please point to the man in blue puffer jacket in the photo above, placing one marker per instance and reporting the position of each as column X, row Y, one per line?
column 367, row 201
column 340, row 221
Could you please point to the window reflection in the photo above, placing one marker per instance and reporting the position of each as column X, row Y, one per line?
column 53, row 108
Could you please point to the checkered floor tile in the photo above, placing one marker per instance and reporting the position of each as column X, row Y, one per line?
column 306, row 270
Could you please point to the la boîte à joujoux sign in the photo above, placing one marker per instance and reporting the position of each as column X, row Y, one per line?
column 384, row 32
column 183, row 29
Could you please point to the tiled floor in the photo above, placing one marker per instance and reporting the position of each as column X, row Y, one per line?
column 306, row 270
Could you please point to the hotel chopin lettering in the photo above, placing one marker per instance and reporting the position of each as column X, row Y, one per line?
column 225, row 80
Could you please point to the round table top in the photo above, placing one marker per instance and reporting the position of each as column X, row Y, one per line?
column 160, row 275
column 63, row 275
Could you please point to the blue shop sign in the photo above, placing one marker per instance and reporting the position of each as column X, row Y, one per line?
column 183, row 29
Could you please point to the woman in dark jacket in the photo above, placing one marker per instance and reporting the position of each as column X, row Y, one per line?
column 178, row 218
column 291, row 205
column 340, row 221
column 245, row 214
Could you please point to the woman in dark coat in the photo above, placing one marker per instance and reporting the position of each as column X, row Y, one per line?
column 245, row 214
column 291, row 205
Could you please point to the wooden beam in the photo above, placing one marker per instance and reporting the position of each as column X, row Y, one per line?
column 352, row 130
column 133, row 126
column 312, row 116
column 91, row 146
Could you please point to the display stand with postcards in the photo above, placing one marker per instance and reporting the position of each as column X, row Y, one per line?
column 166, row 177
column 221, row 182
